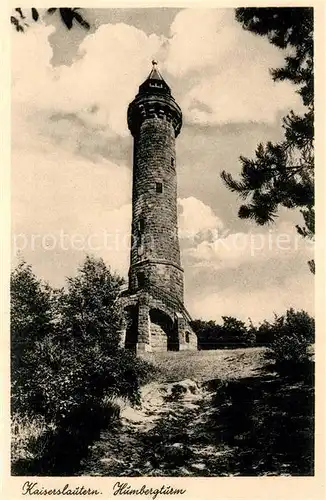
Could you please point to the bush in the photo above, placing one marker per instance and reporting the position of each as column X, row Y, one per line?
column 251, row 335
column 268, row 424
column 33, row 338
column 289, row 348
column 265, row 334
column 65, row 344
column 66, row 358
column 293, row 334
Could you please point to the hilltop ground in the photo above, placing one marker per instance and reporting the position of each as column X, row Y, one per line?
column 210, row 413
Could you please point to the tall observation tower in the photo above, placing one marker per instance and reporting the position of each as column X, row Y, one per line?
column 155, row 318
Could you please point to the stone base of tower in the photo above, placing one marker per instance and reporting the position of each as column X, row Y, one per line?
column 150, row 324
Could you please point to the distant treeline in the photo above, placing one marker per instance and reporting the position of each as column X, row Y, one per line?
column 233, row 333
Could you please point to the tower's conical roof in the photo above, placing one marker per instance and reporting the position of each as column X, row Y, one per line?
column 154, row 83
column 154, row 99
column 154, row 74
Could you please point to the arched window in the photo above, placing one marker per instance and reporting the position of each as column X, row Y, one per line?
column 187, row 337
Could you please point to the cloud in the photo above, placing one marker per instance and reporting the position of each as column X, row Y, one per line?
column 60, row 198
column 215, row 70
column 225, row 250
column 226, row 70
column 217, row 42
column 256, row 273
column 96, row 88
column 259, row 304
column 64, row 207
column 251, row 274
column 196, row 219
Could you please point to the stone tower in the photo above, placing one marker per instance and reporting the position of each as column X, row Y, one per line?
column 155, row 318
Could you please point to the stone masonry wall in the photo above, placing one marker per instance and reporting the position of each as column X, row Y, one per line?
column 162, row 276
column 154, row 227
column 156, row 324
column 159, row 339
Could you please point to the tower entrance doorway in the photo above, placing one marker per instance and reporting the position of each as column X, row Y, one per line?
column 164, row 333
column 131, row 317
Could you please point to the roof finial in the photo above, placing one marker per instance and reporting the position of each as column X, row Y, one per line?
column 154, row 63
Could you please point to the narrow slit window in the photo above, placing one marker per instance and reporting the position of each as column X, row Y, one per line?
column 141, row 280
column 187, row 337
column 172, row 161
column 159, row 187
column 141, row 225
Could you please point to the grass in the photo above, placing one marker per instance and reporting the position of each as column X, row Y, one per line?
column 250, row 421
column 268, row 423
column 25, row 434
column 40, row 449
column 206, row 365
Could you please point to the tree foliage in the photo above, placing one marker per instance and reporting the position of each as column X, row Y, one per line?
column 65, row 343
column 282, row 174
column 298, row 326
column 34, row 318
column 67, row 16
column 293, row 333
column 231, row 333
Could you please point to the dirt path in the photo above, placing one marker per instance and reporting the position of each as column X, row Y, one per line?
column 165, row 436
column 188, row 428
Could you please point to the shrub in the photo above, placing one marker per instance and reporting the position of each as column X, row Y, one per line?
column 289, row 348
column 250, row 335
column 265, row 334
column 33, row 337
column 268, row 424
column 66, row 358
column 293, row 334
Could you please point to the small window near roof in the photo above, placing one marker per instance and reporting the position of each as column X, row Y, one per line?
column 159, row 187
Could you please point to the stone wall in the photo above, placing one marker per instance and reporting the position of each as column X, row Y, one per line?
column 159, row 339
column 159, row 327
column 164, row 276
column 154, row 244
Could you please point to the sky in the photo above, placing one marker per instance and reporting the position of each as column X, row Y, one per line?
column 72, row 152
